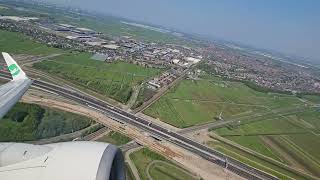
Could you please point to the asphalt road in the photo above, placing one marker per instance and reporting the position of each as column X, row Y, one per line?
column 156, row 131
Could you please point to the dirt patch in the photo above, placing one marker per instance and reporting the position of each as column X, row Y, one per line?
column 202, row 136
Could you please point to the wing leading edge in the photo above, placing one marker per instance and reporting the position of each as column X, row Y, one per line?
column 12, row 92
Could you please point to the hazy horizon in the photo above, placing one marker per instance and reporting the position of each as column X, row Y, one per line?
column 287, row 26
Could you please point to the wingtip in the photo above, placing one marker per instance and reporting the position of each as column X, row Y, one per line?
column 15, row 70
column 4, row 53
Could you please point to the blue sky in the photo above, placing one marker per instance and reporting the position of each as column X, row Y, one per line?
column 290, row 26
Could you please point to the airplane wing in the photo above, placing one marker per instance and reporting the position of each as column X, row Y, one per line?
column 12, row 92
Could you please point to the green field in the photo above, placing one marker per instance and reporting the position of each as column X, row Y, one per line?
column 198, row 102
column 115, row 138
column 312, row 98
column 296, row 135
column 18, row 43
column 114, row 80
column 26, row 122
column 162, row 169
column 257, row 162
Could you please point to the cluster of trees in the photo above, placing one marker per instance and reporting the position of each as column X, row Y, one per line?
column 27, row 122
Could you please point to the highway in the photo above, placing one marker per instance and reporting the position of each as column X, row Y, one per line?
column 154, row 130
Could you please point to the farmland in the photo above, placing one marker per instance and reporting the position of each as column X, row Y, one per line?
column 158, row 167
column 114, row 80
column 291, row 139
column 18, row 43
column 197, row 102
column 257, row 162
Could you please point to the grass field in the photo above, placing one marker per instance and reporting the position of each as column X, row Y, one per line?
column 198, row 102
column 296, row 135
column 26, row 122
column 255, row 143
column 18, row 43
column 115, row 138
column 158, row 171
column 312, row 98
column 114, row 80
column 167, row 172
column 257, row 163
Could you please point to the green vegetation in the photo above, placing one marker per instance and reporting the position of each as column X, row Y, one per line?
column 92, row 129
column 301, row 149
column 8, row 11
column 257, row 162
column 144, row 95
column 13, row 42
column 167, row 172
column 256, row 143
column 295, row 135
column 260, row 119
column 158, row 171
column 115, row 138
column 198, row 102
column 313, row 98
column 114, row 80
column 26, row 122
column 264, row 126
column 129, row 173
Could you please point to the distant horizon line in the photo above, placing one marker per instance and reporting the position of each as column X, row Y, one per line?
column 210, row 38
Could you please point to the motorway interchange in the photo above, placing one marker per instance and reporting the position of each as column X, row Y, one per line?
column 154, row 130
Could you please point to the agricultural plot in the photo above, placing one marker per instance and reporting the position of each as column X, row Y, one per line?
column 114, row 80
column 261, row 164
column 197, row 102
column 152, row 164
column 18, row 43
column 292, row 139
